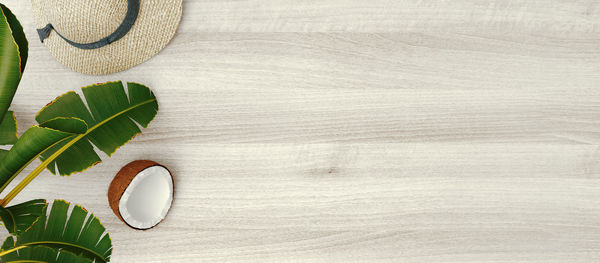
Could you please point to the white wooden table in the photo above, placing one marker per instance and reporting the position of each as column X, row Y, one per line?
column 353, row 130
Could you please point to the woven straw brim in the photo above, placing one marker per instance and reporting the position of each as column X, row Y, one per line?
column 86, row 21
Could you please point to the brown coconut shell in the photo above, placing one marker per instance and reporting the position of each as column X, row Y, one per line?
column 122, row 180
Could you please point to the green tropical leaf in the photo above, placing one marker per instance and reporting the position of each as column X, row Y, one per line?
column 34, row 141
column 76, row 231
column 111, row 118
column 3, row 153
column 8, row 129
column 9, row 243
column 18, row 35
column 19, row 218
column 43, row 255
column 13, row 57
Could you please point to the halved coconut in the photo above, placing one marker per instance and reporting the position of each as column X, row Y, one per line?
column 141, row 194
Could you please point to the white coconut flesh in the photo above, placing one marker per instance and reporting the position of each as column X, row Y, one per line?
column 148, row 198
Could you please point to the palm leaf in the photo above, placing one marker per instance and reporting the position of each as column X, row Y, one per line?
column 43, row 255
column 76, row 231
column 111, row 118
column 33, row 142
column 13, row 57
column 19, row 218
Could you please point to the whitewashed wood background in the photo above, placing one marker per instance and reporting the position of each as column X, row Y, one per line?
column 358, row 131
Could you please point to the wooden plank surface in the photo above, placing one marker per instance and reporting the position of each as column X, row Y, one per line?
column 353, row 131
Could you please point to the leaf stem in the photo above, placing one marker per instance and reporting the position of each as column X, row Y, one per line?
column 27, row 164
column 11, row 195
column 6, row 252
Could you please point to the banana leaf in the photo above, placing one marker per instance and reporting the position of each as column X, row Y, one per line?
column 9, row 243
column 8, row 132
column 8, row 129
column 43, row 255
column 13, row 57
column 111, row 119
column 67, row 230
column 3, row 153
column 19, row 218
column 33, row 142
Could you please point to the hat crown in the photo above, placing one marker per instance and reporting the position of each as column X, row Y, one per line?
column 82, row 21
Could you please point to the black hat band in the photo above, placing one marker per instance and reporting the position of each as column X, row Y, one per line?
column 133, row 8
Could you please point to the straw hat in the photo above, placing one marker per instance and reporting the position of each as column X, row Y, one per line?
column 106, row 36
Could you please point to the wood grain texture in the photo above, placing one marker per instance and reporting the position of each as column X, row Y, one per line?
column 359, row 131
